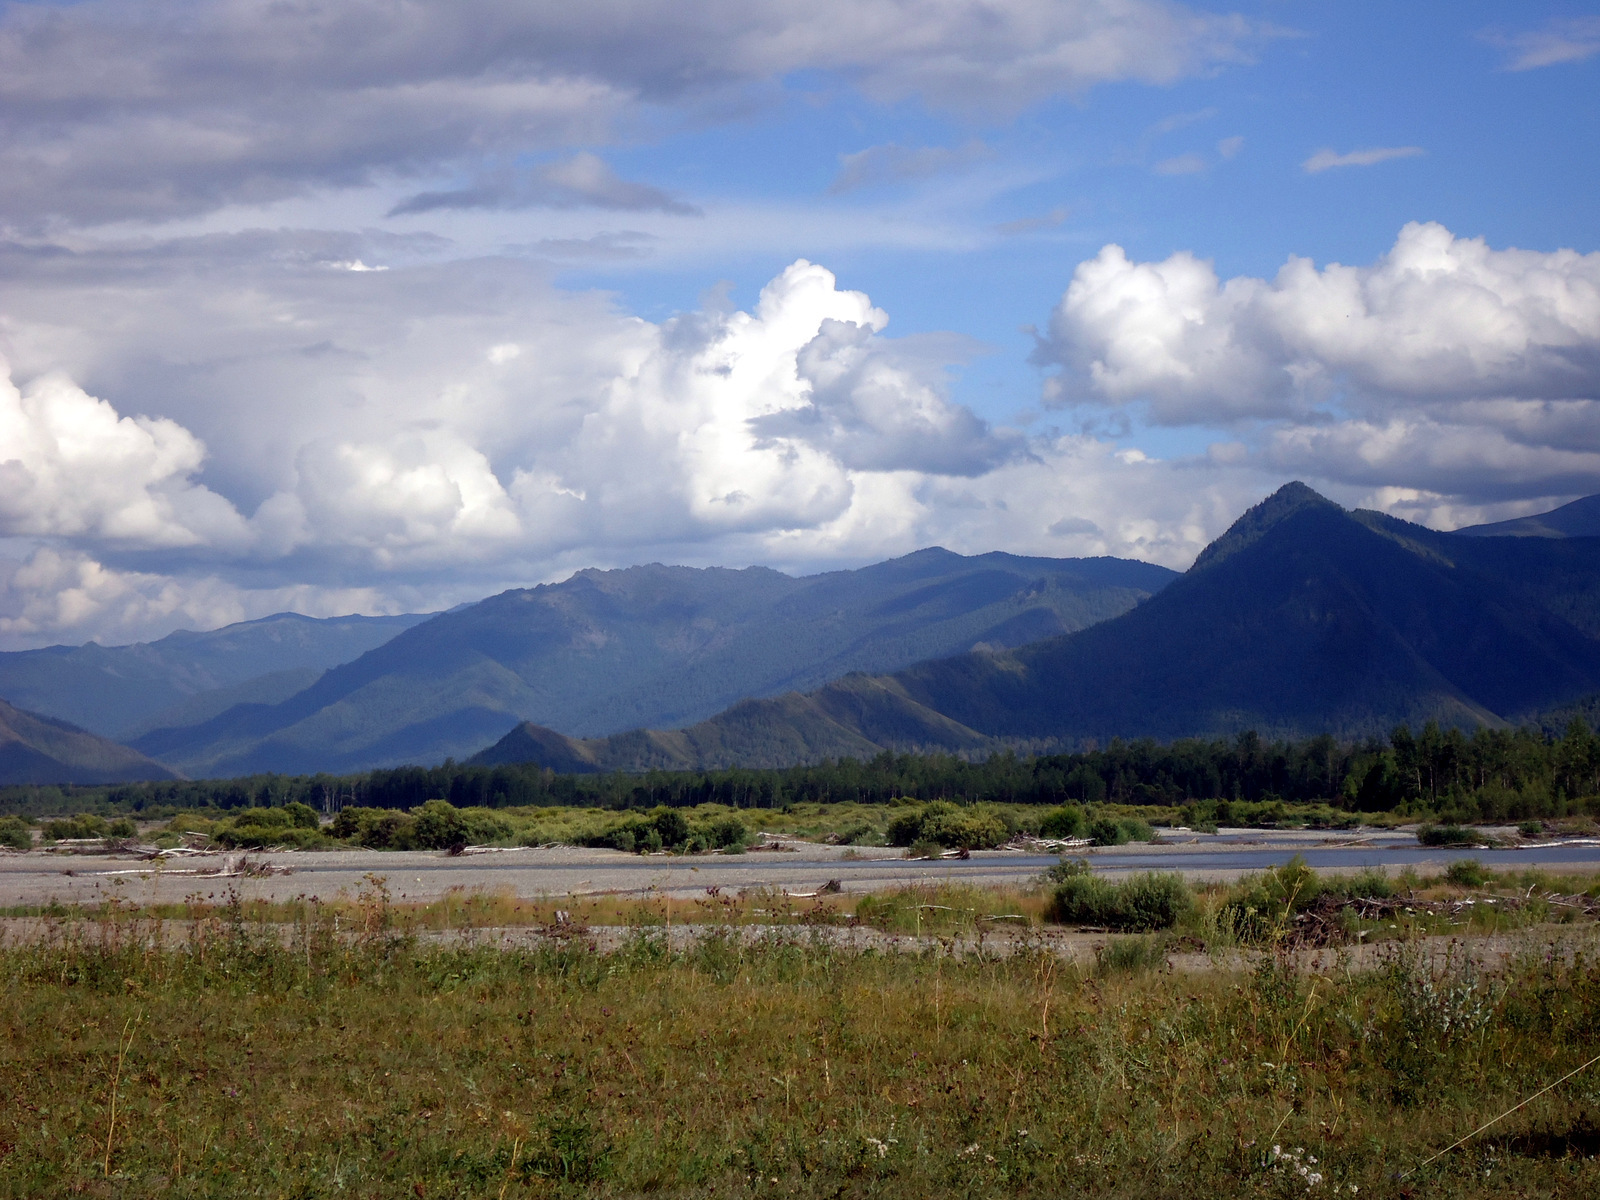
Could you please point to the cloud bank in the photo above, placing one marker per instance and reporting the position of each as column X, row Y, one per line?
column 149, row 109
column 180, row 445
column 1446, row 365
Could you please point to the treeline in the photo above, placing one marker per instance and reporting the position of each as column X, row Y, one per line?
column 1490, row 774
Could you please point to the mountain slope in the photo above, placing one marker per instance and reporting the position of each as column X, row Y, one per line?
column 37, row 749
column 1581, row 518
column 662, row 646
column 118, row 691
column 1302, row 618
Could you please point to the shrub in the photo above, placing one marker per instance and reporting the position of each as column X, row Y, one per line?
column 1449, row 835
column 290, row 825
column 1142, row 903
column 1108, row 831
column 1065, row 822
column 122, row 827
column 1467, row 872
column 1529, row 829
column 84, row 825
column 302, row 816
column 671, row 825
column 726, row 834
column 924, row 848
column 619, row 839
column 14, row 832
column 1370, row 883
column 664, row 829
column 907, row 827
column 437, row 825
column 965, row 829
column 858, row 835
column 944, row 823
column 1262, row 904
column 483, row 826
column 376, row 828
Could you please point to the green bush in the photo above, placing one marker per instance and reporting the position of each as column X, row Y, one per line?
column 859, row 835
column 84, row 825
column 376, row 828
column 907, row 827
column 1261, row 905
column 726, row 834
column 1067, row 821
column 972, row 828
column 263, row 818
column 1530, row 829
column 290, row 825
column 1449, row 835
column 1142, row 903
column 664, row 829
column 302, row 816
column 924, row 848
column 1370, row 884
column 484, row 826
column 14, row 832
column 1109, row 831
column 437, row 825
column 122, row 827
column 671, row 824
column 1106, row 832
column 1467, row 872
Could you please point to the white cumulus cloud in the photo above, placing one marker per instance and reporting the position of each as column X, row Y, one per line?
column 1436, row 318
column 70, row 466
column 1445, row 365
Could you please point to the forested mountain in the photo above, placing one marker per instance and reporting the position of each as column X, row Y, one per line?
column 38, row 749
column 122, row 691
column 1581, row 518
column 1301, row 619
column 653, row 645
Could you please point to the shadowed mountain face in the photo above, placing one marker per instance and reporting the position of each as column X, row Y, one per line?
column 1581, row 518
column 36, row 749
column 649, row 646
column 1303, row 618
column 121, row 691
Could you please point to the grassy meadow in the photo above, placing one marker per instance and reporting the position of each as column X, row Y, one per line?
column 337, row 1050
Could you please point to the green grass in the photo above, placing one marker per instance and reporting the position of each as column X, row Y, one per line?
column 248, row 1062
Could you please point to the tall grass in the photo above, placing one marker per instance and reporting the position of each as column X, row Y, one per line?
column 320, row 1061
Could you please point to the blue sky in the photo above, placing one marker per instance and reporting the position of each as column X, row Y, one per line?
column 1510, row 156
column 370, row 306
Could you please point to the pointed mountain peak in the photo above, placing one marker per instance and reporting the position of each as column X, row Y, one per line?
column 1284, row 503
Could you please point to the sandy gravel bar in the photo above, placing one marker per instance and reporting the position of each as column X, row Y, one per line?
column 38, row 878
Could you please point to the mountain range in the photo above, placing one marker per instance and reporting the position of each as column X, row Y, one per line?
column 35, row 749
column 609, row 650
column 122, row 691
column 1581, row 518
column 1302, row 618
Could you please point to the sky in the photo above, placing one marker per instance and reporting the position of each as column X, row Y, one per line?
column 388, row 305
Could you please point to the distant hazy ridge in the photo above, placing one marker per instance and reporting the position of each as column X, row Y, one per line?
column 654, row 645
column 1303, row 618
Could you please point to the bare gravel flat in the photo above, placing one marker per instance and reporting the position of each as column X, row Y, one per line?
column 37, row 878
